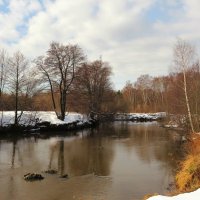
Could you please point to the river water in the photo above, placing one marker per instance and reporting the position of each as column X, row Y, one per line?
column 116, row 161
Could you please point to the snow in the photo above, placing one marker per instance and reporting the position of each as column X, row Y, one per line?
column 171, row 126
column 135, row 116
column 185, row 196
column 31, row 117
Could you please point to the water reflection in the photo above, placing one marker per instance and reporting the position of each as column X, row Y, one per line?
column 57, row 143
column 137, row 159
column 13, row 153
column 92, row 155
column 16, row 150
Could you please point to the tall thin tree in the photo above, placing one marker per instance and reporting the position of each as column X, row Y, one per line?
column 18, row 65
column 184, row 58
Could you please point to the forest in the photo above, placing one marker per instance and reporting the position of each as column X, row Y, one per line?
column 63, row 80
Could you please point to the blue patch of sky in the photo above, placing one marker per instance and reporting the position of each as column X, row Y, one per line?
column 22, row 29
column 162, row 11
column 4, row 8
column 42, row 4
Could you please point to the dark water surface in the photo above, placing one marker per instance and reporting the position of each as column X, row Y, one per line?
column 117, row 161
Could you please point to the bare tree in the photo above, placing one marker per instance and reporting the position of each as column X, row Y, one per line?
column 3, row 74
column 145, row 95
column 17, row 80
column 184, row 58
column 144, row 84
column 58, row 68
column 129, row 94
column 93, row 83
column 3, row 71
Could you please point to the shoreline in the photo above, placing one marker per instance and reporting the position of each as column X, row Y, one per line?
column 42, row 121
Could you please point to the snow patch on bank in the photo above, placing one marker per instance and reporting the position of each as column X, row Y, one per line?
column 33, row 117
column 186, row 196
column 139, row 116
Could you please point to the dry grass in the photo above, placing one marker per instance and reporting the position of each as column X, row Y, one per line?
column 188, row 177
column 194, row 144
column 149, row 195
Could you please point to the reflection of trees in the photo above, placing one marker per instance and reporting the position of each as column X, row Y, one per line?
column 116, row 130
column 99, row 157
column 14, row 156
column 61, row 163
column 153, row 142
column 59, row 143
column 92, row 154
column 15, row 148
column 170, row 152
column 13, row 153
column 52, row 151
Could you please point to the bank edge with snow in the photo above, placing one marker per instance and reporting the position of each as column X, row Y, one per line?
column 44, row 121
column 140, row 117
column 185, row 196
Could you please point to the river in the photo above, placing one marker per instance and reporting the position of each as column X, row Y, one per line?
column 116, row 161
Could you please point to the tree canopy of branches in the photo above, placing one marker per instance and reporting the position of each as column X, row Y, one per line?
column 93, row 85
column 3, row 74
column 58, row 67
column 17, row 80
column 3, row 70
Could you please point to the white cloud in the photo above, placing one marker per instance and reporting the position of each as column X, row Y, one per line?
column 119, row 30
column 18, row 11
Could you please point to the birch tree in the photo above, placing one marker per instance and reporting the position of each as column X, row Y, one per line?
column 184, row 58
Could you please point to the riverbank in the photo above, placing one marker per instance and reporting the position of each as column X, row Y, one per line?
column 186, row 196
column 33, row 121
column 188, row 175
column 44, row 121
column 140, row 117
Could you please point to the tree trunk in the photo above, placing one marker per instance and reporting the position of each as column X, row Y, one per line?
column 52, row 93
column 187, row 102
column 62, row 104
column 16, row 97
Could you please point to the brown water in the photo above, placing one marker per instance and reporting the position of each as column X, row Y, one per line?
column 117, row 161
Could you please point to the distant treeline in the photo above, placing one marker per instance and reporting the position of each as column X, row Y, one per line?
column 63, row 80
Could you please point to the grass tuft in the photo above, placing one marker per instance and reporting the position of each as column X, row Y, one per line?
column 188, row 177
column 149, row 195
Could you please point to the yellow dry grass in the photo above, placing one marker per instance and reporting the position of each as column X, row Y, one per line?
column 188, row 177
column 149, row 195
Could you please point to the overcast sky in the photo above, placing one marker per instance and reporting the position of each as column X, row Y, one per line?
column 135, row 36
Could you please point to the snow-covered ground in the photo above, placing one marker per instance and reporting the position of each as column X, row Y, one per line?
column 186, row 196
column 30, row 118
column 138, row 116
